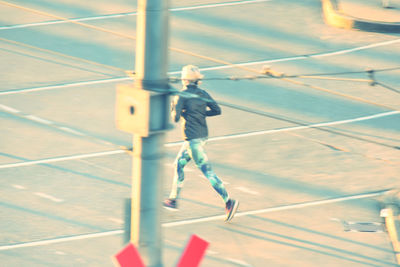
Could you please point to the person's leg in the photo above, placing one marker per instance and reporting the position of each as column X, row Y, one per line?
column 181, row 160
column 197, row 153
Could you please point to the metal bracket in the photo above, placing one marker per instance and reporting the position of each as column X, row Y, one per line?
column 133, row 113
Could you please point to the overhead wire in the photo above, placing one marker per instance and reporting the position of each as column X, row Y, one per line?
column 232, row 78
column 281, row 118
column 354, row 98
column 55, row 126
column 47, row 14
column 52, row 52
column 306, row 76
column 269, row 73
column 387, row 87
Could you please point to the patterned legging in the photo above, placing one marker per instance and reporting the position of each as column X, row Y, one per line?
column 194, row 149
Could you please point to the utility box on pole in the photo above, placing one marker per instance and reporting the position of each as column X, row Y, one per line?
column 143, row 110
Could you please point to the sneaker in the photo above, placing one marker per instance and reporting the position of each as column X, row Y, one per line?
column 231, row 207
column 170, row 204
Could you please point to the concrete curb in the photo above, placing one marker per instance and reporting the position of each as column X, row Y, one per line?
column 335, row 18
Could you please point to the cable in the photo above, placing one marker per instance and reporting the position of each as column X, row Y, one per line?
column 277, row 117
column 56, row 126
column 61, row 54
column 347, row 72
column 68, row 20
column 387, row 87
column 309, row 75
column 269, row 72
column 204, row 57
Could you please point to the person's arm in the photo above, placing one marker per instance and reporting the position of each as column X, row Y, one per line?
column 177, row 107
column 214, row 108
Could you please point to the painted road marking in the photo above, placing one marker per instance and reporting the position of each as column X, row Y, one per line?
column 65, row 85
column 274, row 209
column 9, row 109
column 119, row 79
column 58, row 159
column 52, row 124
column 112, row 16
column 60, row 240
column 49, row 197
column 199, row 220
column 295, row 128
column 316, row 125
column 225, row 137
column 37, row 119
column 247, row 190
column 20, row 187
column 219, row 5
column 69, row 130
column 239, row 262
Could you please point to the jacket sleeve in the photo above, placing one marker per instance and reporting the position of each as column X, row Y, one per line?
column 177, row 107
column 214, row 108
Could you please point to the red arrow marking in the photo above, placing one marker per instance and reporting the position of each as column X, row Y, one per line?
column 193, row 253
column 129, row 257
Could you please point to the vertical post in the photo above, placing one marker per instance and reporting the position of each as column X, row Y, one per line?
column 151, row 73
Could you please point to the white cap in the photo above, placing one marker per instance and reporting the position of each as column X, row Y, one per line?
column 191, row 73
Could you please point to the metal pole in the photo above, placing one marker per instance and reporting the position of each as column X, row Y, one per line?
column 151, row 73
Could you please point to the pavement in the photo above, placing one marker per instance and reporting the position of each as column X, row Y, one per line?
column 369, row 15
column 372, row 10
column 308, row 197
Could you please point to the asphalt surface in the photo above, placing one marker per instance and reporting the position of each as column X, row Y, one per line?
column 308, row 164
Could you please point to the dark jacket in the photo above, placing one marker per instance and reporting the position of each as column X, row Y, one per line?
column 194, row 111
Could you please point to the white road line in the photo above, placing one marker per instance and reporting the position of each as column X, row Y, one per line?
column 212, row 252
column 119, row 79
column 66, row 85
column 288, row 129
column 247, row 190
column 60, row 240
column 112, row 16
column 69, row 130
column 9, row 109
column 199, row 220
column 45, row 23
column 279, row 208
column 233, row 136
column 58, row 159
column 238, row 262
column 319, row 55
column 51, row 123
column 219, row 5
column 345, row 51
column 20, row 187
column 49, row 197
column 37, row 119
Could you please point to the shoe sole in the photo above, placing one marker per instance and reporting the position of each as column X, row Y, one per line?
column 232, row 213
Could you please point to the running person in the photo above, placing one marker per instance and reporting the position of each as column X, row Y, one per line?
column 193, row 111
